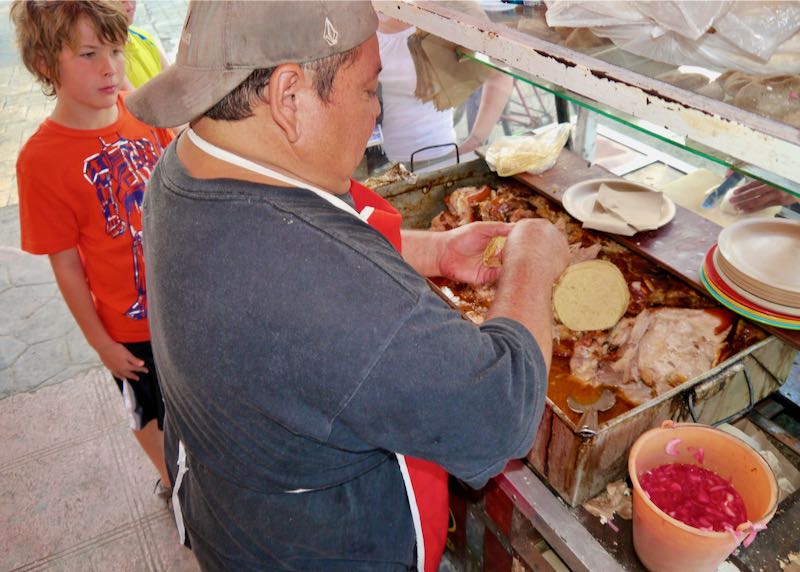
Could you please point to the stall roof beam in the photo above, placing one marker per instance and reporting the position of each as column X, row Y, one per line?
column 742, row 135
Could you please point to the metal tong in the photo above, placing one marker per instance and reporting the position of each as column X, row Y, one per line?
column 587, row 426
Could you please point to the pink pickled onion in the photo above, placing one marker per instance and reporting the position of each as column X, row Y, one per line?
column 671, row 448
column 754, row 530
column 695, row 496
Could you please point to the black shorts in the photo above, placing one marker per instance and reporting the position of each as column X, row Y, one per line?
column 143, row 400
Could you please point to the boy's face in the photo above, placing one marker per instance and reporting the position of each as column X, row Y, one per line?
column 91, row 72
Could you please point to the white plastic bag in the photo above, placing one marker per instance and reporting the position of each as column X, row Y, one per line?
column 528, row 153
column 753, row 37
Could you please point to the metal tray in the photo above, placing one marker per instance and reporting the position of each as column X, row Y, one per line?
column 578, row 466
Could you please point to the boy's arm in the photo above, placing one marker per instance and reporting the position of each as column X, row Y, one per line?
column 71, row 281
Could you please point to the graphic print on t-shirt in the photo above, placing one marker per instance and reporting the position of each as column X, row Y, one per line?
column 119, row 173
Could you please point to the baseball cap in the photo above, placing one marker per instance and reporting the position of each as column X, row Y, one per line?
column 223, row 41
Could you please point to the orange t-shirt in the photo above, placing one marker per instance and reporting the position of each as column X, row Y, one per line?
column 84, row 189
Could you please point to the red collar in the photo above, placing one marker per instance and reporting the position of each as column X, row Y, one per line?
column 385, row 219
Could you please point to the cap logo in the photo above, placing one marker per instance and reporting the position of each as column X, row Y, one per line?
column 330, row 34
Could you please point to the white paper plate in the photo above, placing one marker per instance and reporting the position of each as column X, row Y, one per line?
column 766, row 250
column 578, row 200
column 757, row 300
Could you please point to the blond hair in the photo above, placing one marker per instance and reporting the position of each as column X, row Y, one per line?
column 45, row 27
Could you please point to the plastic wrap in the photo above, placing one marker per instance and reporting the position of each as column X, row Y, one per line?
column 528, row 153
column 754, row 37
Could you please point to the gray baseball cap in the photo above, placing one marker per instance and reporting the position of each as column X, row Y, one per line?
column 223, row 41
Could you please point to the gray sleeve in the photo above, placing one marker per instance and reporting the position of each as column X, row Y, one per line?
column 467, row 398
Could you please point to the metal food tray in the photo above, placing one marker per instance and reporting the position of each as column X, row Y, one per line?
column 579, row 466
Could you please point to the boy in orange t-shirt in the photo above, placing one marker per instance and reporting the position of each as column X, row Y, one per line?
column 81, row 180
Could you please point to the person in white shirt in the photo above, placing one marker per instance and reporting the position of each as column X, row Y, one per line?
column 410, row 124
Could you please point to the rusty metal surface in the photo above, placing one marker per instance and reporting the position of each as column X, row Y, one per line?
column 558, row 526
column 776, row 431
column 559, row 455
column 579, row 468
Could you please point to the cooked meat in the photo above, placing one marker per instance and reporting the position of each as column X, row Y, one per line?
column 659, row 348
column 679, row 345
column 445, row 220
column 462, row 202
column 582, row 254
column 586, row 355
column 635, row 393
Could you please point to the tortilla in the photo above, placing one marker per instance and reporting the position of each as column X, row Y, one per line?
column 606, row 221
column 640, row 208
column 492, row 256
column 591, row 295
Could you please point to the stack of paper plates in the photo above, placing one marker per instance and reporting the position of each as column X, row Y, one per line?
column 754, row 269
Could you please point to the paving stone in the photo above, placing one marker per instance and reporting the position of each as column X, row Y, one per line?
column 8, row 192
column 39, row 364
column 6, row 383
column 21, row 302
column 44, row 497
column 10, row 349
column 79, row 350
column 51, row 321
column 26, row 269
column 75, row 407
column 9, row 227
column 5, row 277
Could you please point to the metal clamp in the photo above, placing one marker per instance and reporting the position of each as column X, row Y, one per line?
column 690, row 397
column 458, row 155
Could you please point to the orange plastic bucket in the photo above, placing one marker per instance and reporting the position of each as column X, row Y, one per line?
column 665, row 544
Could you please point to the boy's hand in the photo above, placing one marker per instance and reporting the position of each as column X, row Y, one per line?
column 121, row 362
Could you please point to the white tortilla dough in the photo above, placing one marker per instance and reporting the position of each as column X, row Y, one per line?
column 591, row 295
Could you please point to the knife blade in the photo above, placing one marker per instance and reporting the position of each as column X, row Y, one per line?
column 716, row 195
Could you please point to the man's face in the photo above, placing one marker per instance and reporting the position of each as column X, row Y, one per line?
column 338, row 130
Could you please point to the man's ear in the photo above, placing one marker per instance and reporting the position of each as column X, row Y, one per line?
column 283, row 87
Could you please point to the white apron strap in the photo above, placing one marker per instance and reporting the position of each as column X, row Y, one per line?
column 239, row 161
column 412, row 504
column 176, row 503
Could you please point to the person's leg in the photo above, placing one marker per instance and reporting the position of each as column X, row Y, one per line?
column 151, row 439
column 145, row 407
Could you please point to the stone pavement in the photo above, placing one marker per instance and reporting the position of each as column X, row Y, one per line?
column 76, row 492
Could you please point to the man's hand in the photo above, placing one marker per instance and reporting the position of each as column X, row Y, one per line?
column 537, row 244
column 120, row 361
column 462, row 257
column 534, row 256
column 755, row 196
